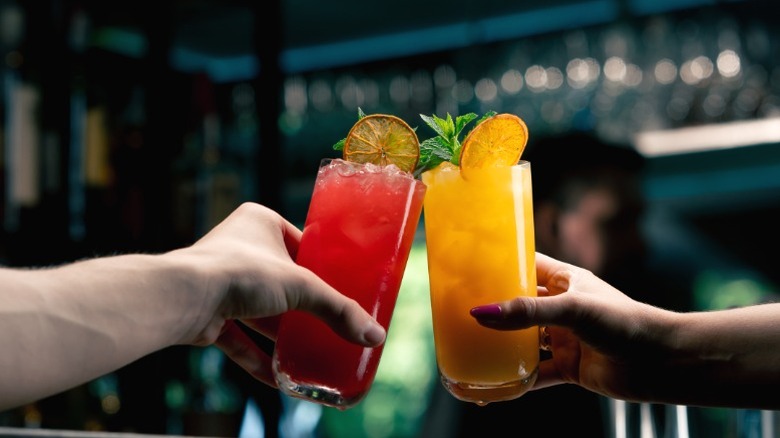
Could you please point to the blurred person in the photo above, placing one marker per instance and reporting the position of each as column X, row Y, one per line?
column 588, row 203
column 65, row 325
column 589, row 209
column 606, row 342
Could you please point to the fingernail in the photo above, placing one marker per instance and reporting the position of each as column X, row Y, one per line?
column 487, row 310
column 375, row 334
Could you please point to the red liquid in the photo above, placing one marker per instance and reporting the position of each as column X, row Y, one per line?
column 357, row 237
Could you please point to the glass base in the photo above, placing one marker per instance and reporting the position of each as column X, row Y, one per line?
column 315, row 393
column 484, row 394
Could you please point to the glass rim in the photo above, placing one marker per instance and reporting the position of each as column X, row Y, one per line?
column 520, row 163
column 326, row 161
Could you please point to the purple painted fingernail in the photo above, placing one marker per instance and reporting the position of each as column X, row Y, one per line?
column 486, row 311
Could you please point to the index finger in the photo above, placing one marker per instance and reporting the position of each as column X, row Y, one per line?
column 292, row 237
column 553, row 274
column 267, row 326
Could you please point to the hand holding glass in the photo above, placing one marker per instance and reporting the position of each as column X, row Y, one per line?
column 357, row 237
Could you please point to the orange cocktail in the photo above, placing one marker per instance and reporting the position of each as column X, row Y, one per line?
column 357, row 237
column 480, row 241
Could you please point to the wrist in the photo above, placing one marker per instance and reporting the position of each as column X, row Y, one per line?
column 198, row 295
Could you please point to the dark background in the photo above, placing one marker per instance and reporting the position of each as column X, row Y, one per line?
column 151, row 121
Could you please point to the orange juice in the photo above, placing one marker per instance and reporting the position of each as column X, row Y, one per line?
column 480, row 244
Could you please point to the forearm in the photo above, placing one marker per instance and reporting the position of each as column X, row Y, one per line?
column 63, row 326
column 727, row 358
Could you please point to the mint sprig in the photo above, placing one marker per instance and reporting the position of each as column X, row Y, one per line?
column 445, row 146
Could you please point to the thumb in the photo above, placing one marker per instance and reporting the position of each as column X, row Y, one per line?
column 344, row 315
column 522, row 312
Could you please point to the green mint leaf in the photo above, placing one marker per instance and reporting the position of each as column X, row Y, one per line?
column 436, row 147
column 445, row 146
column 487, row 115
column 435, row 124
column 433, row 152
column 462, row 121
column 447, row 125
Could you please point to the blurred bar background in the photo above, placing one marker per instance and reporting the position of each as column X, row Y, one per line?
column 137, row 126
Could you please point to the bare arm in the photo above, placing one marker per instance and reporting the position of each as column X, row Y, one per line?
column 729, row 357
column 62, row 326
column 610, row 344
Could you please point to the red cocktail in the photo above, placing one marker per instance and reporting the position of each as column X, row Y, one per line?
column 357, row 237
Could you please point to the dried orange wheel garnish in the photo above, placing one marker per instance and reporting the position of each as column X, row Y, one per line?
column 382, row 139
column 497, row 141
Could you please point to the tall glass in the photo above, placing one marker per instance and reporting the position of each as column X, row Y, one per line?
column 357, row 237
column 480, row 242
